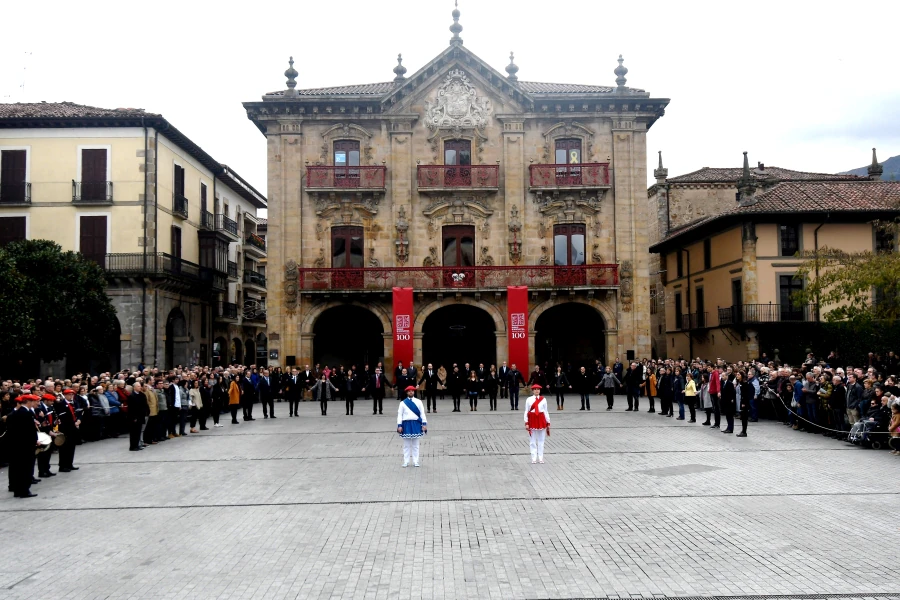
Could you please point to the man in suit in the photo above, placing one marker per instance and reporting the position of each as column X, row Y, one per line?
column 378, row 385
column 431, row 380
column 138, row 409
column 43, row 414
column 503, row 377
column 293, row 386
column 309, row 379
column 266, row 397
column 21, row 441
column 412, row 373
column 537, row 377
column 515, row 377
column 68, row 425
column 634, row 377
column 398, row 372
column 248, row 396
column 481, row 373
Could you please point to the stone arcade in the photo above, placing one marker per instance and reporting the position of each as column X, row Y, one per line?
column 457, row 181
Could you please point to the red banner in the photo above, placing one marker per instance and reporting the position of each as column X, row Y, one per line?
column 403, row 334
column 517, row 326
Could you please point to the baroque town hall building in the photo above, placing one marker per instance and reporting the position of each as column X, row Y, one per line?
column 457, row 215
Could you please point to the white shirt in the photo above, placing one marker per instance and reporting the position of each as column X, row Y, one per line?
column 405, row 414
column 542, row 407
column 177, row 396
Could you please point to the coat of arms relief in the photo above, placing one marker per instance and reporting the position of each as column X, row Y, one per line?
column 458, row 105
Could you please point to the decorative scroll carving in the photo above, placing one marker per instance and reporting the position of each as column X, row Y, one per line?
column 626, row 285
column 515, row 228
column 596, row 257
column 432, row 259
column 570, row 129
column 373, row 262
column 457, row 105
column 486, row 259
column 351, row 207
column 545, row 256
column 290, row 286
column 565, row 207
column 401, row 244
column 346, row 131
column 457, row 210
column 319, row 263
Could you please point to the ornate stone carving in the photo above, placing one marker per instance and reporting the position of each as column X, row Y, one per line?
column 349, row 131
column 566, row 207
column 515, row 228
column 373, row 262
column 596, row 257
column 319, row 263
column 626, row 284
column 432, row 259
column 542, row 229
column 320, row 229
column 545, row 256
column 401, row 244
column 457, row 105
column 457, row 210
column 290, row 286
column 346, row 209
column 486, row 259
column 570, row 129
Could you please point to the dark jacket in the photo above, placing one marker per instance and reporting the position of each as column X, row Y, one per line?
column 537, row 377
column 455, row 382
column 431, row 381
column 378, row 392
column 473, row 386
column 838, row 399
column 729, row 396
column 854, row 396
column 248, row 392
column 265, row 389
column 583, row 383
column 21, row 434
column 66, row 417
column 137, row 406
column 747, row 394
column 560, row 381
column 293, row 389
column 515, row 377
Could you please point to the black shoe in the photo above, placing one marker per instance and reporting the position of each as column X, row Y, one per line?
column 26, row 495
column 679, row 418
column 609, row 408
column 265, row 416
column 662, row 414
column 64, row 470
column 251, row 419
column 35, row 481
column 135, row 449
column 582, row 408
column 47, row 474
column 629, row 410
column 235, row 423
column 705, row 423
column 380, row 413
column 207, row 428
column 692, row 421
column 652, row 410
column 741, row 434
column 273, row 417
column 375, row 413
column 728, row 431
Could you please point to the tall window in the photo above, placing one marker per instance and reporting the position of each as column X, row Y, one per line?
column 568, row 245
column 13, row 167
column 176, row 242
column 458, row 153
column 178, row 185
column 203, row 208
column 707, row 254
column 346, row 161
column 787, row 286
column 701, row 308
column 678, row 311
column 459, row 246
column 93, row 174
column 568, row 152
column 789, row 239
column 347, row 247
column 12, row 229
column 92, row 238
column 737, row 300
column 679, row 263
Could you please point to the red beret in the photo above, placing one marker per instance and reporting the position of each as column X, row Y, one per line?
column 68, row 391
column 536, row 387
column 26, row 398
column 410, row 388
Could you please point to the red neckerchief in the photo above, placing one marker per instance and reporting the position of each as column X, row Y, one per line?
column 71, row 409
column 534, row 407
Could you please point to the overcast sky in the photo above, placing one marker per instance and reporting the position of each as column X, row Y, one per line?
column 795, row 86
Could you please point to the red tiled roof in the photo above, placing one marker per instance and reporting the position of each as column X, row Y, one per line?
column 65, row 110
column 732, row 175
column 804, row 198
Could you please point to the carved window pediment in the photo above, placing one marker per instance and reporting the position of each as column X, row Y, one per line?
column 346, row 131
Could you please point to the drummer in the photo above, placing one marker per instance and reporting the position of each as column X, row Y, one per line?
column 22, row 442
column 43, row 414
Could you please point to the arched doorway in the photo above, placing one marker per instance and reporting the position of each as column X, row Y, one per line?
column 176, row 339
column 459, row 333
column 237, row 352
column 571, row 333
column 348, row 335
column 262, row 349
column 220, row 352
column 249, row 353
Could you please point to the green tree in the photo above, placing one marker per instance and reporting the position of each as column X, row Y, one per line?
column 54, row 302
column 848, row 282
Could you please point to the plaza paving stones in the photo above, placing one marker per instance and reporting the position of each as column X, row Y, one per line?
column 628, row 505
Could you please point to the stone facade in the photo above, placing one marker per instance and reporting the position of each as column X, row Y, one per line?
column 405, row 126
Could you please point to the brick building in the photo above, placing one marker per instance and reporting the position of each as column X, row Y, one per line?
column 457, row 181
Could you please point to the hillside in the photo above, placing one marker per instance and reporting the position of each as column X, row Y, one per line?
column 891, row 169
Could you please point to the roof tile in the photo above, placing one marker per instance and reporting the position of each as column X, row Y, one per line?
column 732, row 175
column 65, row 110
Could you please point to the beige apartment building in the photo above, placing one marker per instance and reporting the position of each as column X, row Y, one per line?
column 458, row 180
column 174, row 229
column 729, row 252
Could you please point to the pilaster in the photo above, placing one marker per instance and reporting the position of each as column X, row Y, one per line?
column 514, row 181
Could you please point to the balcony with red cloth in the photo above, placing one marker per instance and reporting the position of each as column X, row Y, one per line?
column 477, row 278
column 328, row 178
column 579, row 176
column 451, row 178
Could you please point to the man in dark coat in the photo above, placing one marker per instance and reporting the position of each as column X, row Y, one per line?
column 634, row 377
column 138, row 410
column 266, row 394
column 21, row 440
column 431, row 380
column 248, row 396
column 68, row 425
column 514, row 379
column 293, row 387
column 503, row 379
column 377, row 385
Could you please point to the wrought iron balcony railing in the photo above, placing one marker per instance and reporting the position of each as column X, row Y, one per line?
column 92, row 191
column 254, row 278
column 327, row 177
column 256, row 241
column 694, row 320
column 458, row 176
column 179, row 205
column 159, row 263
column 475, row 278
column 227, row 310
column 585, row 175
column 232, row 270
column 767, row 313
column 15, row 193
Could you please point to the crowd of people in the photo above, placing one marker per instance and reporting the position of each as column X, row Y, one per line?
column 151, row 406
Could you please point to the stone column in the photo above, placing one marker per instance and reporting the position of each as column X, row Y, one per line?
column 612, row 346
column 305, row 347
column 502, row 347
column 402, row 174
column 749, row 281
column 388, row 353
column 513, row 173
column 417, row 347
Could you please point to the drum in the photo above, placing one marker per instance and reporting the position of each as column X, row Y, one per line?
column 59, row 439
column 44, row 441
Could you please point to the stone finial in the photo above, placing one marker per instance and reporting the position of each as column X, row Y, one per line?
column 875, row 169
column 291, row 75
column 456, row 28
column 512, row 68
column 399, row 70
column 620, row 72
column 660, row 173
column 746, row 185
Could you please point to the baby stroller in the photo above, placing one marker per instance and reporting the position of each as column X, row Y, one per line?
column 856, row 433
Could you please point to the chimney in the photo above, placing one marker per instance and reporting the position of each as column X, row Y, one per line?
column 875, row 170
column 760, row 166
column 746, row 186
column 660, row 173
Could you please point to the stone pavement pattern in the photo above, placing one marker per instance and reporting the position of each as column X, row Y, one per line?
column 627, row 505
